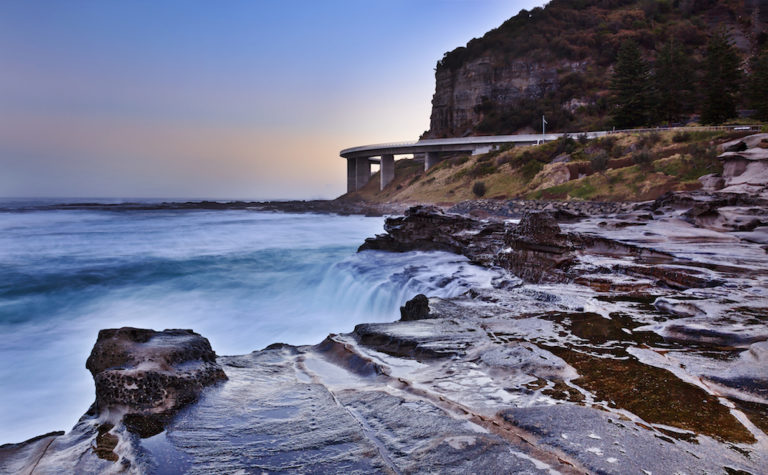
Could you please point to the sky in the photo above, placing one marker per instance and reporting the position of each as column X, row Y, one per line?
column 223, row 100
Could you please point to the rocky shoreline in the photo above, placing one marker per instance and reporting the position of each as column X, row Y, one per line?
column 615, row 343
column 613, row 338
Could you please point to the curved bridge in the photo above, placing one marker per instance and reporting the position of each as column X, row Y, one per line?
column 360, row 159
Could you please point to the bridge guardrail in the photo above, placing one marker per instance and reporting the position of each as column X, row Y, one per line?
column 498, row 139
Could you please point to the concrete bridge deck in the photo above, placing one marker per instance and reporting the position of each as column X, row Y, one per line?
column 360, row 159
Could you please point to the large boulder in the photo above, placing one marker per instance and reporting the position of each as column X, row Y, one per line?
column 415, row 309
column 149, row 375
column 142, row 377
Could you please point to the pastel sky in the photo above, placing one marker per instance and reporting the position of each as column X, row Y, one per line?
column 216, row 99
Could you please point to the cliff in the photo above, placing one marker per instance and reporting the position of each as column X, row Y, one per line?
column 557, row 60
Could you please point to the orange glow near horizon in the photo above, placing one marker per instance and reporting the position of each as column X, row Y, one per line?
column 191, row 101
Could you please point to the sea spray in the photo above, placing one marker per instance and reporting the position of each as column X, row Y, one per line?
column 243, row 279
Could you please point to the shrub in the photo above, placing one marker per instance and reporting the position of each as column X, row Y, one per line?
column 506, row 158
column 599, row 161
column 649, row 140
column 564, row 144
column 583, row 138
column 642, row 157
column 459, row 161
column 681, row 136
column 530, row 169
column 479, row 189
column 608, row 142
column 483, row 168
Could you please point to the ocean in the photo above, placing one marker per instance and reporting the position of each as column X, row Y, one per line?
column 244, row 279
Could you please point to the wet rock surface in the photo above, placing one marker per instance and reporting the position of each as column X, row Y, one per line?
column 600, row 348
column 142, row 378
column 150, row 375
column 415, row 309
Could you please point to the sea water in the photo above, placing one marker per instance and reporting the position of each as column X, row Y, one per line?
column 241, row 278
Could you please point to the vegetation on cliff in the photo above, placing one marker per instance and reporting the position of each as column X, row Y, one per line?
column 685, row 49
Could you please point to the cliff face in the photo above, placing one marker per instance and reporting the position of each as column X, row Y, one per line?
column 558, row 60
column 461, row 96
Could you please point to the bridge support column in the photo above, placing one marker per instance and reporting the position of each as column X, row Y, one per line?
column 430, row 160
column 351, row 175
column 362, row 173
column 387, row 170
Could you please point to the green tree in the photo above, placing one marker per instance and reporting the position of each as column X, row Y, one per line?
column 758, row 85
column 722, row 78
column 630, row 87
column 672, row 80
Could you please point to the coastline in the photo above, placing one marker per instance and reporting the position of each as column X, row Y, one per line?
column 502, row 370
column 337, row 206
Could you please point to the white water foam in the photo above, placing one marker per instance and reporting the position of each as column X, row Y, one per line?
column 242, row 279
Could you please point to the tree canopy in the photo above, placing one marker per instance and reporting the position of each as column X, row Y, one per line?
column 758, row 85
column 630, row 87
column 722, row 79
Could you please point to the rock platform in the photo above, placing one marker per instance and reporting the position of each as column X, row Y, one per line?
column 619, row 342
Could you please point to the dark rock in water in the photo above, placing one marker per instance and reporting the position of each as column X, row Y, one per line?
column 415, row 309
column 150, row 375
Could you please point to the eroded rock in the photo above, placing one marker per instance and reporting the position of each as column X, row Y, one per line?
column 148, row 375
column 415, row 309
column 536, row 250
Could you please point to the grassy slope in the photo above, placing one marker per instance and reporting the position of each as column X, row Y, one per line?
column 673, row 161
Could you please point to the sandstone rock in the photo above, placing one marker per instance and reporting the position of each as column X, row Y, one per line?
column 536, row 250
column 149, row 375
column 553, row 174
column 428, row 228
column 19, row 458
column 711, row 182
column 142, row 377
column 415, row 309
column 537, row 227
column 737, row 145
column 677, row 308
column 459, row 92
